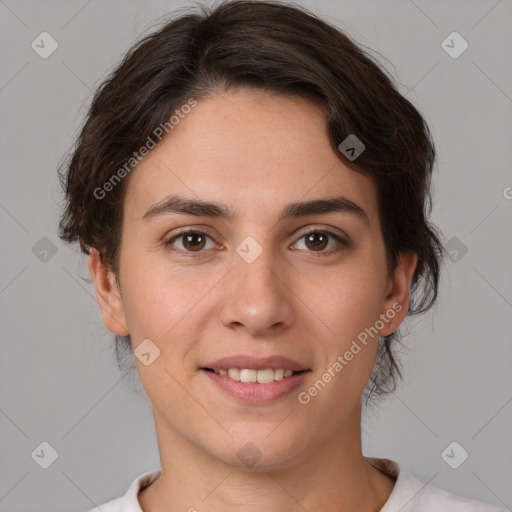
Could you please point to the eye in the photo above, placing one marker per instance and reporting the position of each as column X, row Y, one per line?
column 191, row 241
column 196, row 241
column 318, row 240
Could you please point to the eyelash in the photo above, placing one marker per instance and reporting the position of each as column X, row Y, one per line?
column 198, row 254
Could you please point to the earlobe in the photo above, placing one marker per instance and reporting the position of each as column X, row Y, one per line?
column 108, row 296
column 396, row 302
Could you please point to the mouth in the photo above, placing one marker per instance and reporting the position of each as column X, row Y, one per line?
column 247, row 375
column 254, row 387
column 255, row 380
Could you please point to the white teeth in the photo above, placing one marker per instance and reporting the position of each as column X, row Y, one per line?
column 234, row 373
column 278, row 374
column 265, row 376
column 249, row 375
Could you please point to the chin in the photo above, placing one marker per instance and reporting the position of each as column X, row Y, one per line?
column 261, row 451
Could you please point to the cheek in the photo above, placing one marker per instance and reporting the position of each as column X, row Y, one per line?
column 350, row 309
column 350, row 301
column 350, row 306
column 169, row 307
column 153, row 295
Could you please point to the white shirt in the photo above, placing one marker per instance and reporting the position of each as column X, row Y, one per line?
column 408, row 495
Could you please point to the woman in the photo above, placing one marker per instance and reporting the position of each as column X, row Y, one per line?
column 253, row 193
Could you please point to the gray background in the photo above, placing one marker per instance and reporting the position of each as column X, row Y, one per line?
column 59, row 381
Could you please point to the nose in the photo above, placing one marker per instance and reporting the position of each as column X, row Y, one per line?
column 257, row 296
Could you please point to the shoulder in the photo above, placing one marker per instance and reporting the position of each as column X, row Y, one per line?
column 129, row 502
column 410, row 494
column 428, row 498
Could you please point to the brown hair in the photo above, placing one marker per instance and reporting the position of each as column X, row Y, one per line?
column 281, row 48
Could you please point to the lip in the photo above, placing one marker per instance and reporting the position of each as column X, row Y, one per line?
column 255, row 363
column 254, row 393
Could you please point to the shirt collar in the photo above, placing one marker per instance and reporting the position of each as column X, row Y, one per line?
column 407, row 486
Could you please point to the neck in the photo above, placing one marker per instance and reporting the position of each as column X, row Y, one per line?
column 331, row 476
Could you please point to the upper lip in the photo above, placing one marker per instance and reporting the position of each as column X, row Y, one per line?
column 255, row 363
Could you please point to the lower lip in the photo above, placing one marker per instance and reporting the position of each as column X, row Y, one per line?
column 255, row 393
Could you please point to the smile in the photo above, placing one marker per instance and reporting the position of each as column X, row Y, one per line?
column 249, row 375
column 255, row 387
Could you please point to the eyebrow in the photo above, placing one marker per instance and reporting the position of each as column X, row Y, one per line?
column 199, row 207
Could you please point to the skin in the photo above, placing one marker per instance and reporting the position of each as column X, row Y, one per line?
column 255, row 152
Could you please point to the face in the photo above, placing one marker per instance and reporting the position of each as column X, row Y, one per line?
column 254, row 278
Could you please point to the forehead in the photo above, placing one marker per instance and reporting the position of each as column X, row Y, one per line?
column 251, row 149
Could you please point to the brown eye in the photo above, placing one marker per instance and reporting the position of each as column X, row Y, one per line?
column 194, row 242
column 316, row 240
column 190, row 241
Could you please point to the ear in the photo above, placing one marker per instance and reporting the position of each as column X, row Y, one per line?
column 108, row 296
column 397, row 292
